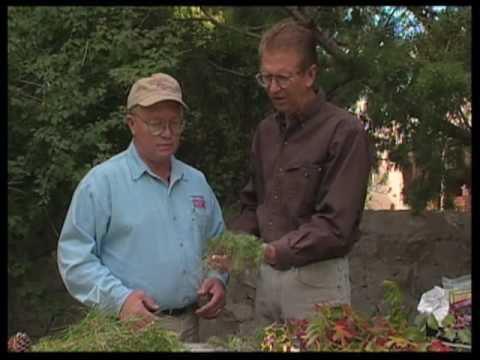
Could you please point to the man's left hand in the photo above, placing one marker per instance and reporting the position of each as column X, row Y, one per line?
column 216, row 304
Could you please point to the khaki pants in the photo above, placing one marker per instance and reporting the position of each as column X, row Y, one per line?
column 186, row 326
column 282, row 295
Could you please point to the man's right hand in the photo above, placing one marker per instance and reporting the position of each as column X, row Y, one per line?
column 141, row 306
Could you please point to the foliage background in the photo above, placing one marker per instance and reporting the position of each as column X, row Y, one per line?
column 70, row 70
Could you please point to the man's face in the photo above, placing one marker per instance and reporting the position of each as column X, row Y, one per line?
column 289, row 93
column 155, row 130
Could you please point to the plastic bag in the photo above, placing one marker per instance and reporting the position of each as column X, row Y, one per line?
column 459, row 289
column 435, row 301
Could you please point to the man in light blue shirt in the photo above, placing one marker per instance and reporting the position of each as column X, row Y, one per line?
column 136, row 230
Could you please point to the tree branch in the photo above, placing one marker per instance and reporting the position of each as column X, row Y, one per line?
column 230, row 71
column 30, row 83
column 331, row 93
column 232, row 28
column 243, row 30
column 85, row 53
column 23, row 93
column 456, row 132
column 424, row 19
column 322, row 36
column 389, row 18
column 465, row 120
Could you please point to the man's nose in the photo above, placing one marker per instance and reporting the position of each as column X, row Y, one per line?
column 167, row 132
column 273, row 86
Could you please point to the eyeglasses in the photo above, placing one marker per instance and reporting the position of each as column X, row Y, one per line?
column 158, row 128
column 265, row 80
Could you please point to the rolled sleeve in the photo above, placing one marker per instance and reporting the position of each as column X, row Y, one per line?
column 224, row 277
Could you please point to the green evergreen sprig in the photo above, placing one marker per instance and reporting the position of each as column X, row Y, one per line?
column 99, row 332
column 244, row 251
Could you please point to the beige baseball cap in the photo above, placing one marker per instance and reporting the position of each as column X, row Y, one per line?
column 150, row 90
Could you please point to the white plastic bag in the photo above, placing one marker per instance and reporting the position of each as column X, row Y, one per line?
column 435, row 302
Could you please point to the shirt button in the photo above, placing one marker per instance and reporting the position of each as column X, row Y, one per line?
column 275, row 197
column 281, row 169
column 270, row 223
column 184, row 272
column 181, row 244
column 174, row 218
column 285, row 143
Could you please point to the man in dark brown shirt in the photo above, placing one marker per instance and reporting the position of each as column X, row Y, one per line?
column 305, row 196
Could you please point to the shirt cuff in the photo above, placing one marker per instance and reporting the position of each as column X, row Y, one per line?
column 119, row 299
column 224, row 277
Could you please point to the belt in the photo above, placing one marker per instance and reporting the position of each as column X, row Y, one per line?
column 175, row 312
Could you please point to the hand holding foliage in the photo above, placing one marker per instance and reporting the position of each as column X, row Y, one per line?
column 234, row 252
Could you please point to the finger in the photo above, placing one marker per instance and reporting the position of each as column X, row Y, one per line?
column 204, row 310
column 140, row 320
column 205, row 313
column 217, row 296
column 149, row 303
column 205, row 287
column 140, row 314
column 211, row 308
column 210, row 314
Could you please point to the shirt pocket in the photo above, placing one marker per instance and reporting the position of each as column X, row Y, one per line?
column 199, row 218
column 301, row 183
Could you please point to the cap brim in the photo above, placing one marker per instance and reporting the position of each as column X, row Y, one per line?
column 157, row 98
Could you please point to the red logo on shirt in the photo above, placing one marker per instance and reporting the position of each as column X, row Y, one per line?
column 198, row 202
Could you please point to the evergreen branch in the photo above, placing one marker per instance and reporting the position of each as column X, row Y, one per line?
column 234, row 252
column 228, row 27
column 331, row 93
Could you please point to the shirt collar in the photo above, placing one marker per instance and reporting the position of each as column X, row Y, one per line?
column 311, row 108
column 138, row 167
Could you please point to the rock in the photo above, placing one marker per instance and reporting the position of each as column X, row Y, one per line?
column 241, row 312
column 202, row 347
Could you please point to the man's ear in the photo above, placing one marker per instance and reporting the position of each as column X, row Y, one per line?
column 131, row 124
column 311, row 75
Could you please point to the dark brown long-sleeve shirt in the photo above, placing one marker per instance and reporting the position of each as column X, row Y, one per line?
column 308, row 184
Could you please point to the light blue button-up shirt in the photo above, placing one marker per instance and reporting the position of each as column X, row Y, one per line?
column 128, row 229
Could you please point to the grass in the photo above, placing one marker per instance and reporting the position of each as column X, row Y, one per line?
column 98, row 332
